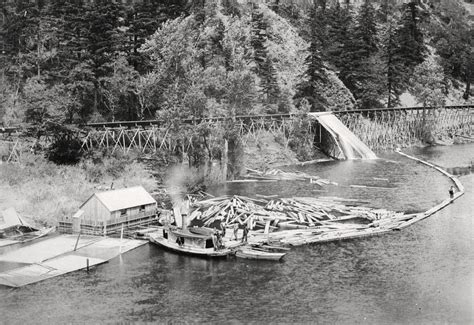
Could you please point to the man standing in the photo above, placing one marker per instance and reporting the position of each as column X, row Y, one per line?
column 236, row 229
column 222, row 229
column 451, row 192
column 244, row 236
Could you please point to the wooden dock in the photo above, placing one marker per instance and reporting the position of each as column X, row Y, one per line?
column 60, row 255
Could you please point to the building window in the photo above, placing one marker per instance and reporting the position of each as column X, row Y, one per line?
column 142, row 208
column 123, row 212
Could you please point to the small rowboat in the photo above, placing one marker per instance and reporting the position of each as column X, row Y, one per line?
column 259, row 253
column 25, row 237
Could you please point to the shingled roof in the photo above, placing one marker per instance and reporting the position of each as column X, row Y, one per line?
column 124, row 198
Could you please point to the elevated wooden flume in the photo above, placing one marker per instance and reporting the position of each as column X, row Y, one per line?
column 248, row 118
column 348, row 144
column 378, row 129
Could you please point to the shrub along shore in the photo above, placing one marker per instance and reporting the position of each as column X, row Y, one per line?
column 41, row 191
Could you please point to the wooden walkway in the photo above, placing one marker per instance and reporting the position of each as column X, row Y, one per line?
column 60, row 255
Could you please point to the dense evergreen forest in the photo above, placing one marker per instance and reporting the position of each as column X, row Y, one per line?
column 73, row 61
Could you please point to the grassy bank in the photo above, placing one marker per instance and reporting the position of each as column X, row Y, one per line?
column 42, row 191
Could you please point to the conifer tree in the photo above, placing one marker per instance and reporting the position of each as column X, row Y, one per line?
column 395, row 70
column 230, row 8
column 318, row 23
column 309, row 88
column 453, row 39
column 427, row 83
column 21, row 28
column 362, row 73
column 386, row 10
column 105, row 38
column 366, row 29
column 338, row 35
column 264, row 67
column 74, row 31
column 105, row 41
column 198, row 9
column 73, row 66
column 409, row 36
column 404, row 48
column 210, row 42
column 142, row 20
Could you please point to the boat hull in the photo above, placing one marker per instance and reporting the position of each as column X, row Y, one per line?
column 204, row 252
column 259, row 255
column 5, row 242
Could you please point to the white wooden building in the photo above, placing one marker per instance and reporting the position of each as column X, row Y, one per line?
column 110, row 211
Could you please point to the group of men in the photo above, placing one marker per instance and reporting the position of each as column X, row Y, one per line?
column 221, row 234
column 236, row 229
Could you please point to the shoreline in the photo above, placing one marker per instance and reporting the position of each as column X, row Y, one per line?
column 27, row 204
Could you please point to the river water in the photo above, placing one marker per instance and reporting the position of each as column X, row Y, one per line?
column 423, row 274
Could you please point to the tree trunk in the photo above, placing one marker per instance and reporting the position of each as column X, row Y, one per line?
column 38, row 60
column 95, row 99
column 389, row 88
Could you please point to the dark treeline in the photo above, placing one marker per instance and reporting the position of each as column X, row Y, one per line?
column 68, row 60
column 72, row 61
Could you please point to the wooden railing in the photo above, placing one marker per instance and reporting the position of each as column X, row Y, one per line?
column 244, row 118
column 380, row 129
column 112, row 225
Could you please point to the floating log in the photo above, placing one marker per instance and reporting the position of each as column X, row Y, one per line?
column 297, row 220
column 277, row 174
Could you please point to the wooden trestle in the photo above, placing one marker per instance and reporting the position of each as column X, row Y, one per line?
column 379, row 129
column 151, row 136
column 393, row 128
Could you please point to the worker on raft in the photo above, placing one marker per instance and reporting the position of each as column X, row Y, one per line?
column 451, row 192
column 244, row 236
column 217, row 240
column 222, row 229
column 236, row 229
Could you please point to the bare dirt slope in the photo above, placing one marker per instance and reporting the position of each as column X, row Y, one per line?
column 267, row 151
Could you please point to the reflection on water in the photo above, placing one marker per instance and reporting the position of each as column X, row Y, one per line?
column 457, row 160
column 459, row 171
column 422, row 274
column 383, row 183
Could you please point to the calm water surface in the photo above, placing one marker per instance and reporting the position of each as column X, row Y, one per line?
column 421, row 275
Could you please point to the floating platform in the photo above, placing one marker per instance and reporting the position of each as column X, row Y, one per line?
column 56, row 256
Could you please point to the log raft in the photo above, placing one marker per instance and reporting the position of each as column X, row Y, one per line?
column 304, row 220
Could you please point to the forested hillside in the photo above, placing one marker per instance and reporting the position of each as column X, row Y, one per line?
column 79, row 61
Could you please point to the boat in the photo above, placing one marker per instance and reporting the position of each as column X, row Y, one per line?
column 14, row 230
column 262, row 252
column 186, row 242
column 201, row 231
